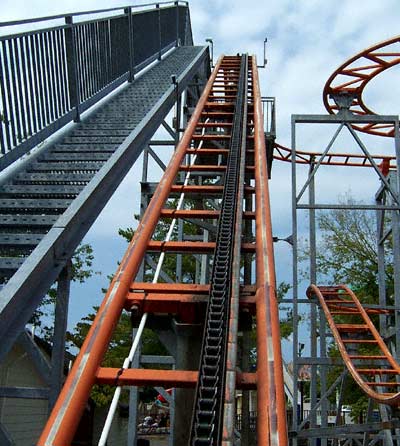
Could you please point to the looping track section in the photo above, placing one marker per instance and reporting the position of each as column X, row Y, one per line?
column 353, row 76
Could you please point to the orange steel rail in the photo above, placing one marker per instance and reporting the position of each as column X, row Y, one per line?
column 363, row 350
column 353, row 76
column 66, row 413
column 214, row 112
column 282, row 153
column 271, row 410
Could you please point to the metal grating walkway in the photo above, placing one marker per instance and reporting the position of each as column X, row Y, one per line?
column 49, row 204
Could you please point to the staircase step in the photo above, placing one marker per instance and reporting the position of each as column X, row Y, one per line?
column 55, row 205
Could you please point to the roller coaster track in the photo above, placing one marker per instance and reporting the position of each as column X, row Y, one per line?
column 282, row 153
column 352, row 77
column 206, row 429
column 223, row 140
column 363, row 350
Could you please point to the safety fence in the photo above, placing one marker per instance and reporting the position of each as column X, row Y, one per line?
column 48, row 77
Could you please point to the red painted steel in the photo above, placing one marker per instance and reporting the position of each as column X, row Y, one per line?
column 282, row 153
column 353, row 76
column 162, row 378
column 353, row 330
column 186, row 299
column 65, row 415
column 271, row 417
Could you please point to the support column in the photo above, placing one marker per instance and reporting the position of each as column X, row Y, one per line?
column 314, row 312
column 134, row 399
column 60, row 328
column 188, row 347
column 396, row 265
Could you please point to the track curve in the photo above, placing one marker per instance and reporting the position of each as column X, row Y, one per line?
column 362, row 348
column 353, row 76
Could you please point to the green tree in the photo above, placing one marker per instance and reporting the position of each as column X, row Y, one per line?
column 347, row 250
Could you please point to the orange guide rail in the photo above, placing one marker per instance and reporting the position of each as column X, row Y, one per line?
column 353, row 76
column 206, row 137
column 362, row 348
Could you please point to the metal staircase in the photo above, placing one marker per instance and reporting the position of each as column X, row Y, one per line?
column 49, row 201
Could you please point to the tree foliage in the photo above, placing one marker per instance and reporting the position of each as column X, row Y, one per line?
column 347, row 250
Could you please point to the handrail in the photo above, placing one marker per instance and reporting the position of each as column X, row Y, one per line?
column 340, row 301
column 96, row 11
column 49, row 77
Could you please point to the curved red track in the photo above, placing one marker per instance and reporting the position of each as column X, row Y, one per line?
column 353, row 76
column 374, row 369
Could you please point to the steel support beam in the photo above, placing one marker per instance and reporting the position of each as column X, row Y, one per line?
column 59, row 334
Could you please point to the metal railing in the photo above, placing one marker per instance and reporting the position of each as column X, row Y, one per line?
column 48, row 77
column 268, row 108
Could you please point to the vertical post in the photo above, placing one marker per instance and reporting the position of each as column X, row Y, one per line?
column 72, row 68
column 177, row 23
column 396, row 267
column 380, row 229
column 211, row 42
column 187, row 354
column 128, row 12
column 396, row 236
column 159, row 32
column 313, row 279
column 60, row 327
column 133, row 390
column 171, row 441
column 145, row 163
column 295, row 283
column 178, row 105
column 134, row 398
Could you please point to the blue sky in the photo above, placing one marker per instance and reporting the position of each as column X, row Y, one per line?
column 307, row 40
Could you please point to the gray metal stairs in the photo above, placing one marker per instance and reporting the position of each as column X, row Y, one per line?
column 49, row 203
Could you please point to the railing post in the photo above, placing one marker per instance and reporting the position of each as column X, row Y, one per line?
column 73, row 81
column 177, row 23
column 128, row 12
column 159, row 32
